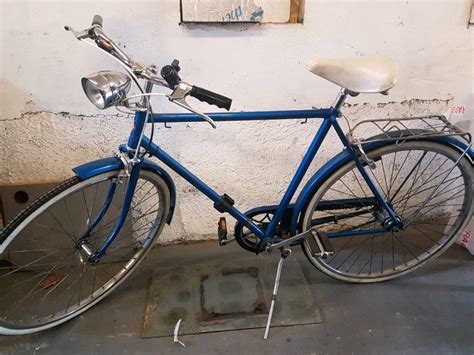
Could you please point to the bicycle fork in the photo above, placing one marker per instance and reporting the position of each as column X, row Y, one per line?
column 81, row 244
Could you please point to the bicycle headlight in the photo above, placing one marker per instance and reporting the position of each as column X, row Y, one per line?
column 106, row 88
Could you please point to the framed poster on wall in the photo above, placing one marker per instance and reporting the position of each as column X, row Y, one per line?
column 263, row 11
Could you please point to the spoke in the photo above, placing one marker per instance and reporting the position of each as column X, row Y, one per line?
column 393, row 254
column 31, row 267
column 415, row 180
column 46, row 227
column 56, row 286
column 93, row 280
column 30, row 263
column 351, row 193
column 62, row 227
column 17, row 285
column 413, row 216
column 403, row 249
column 415, row 167
column 32, row 290
column 415, row 193
column 70, row 219
column 433, row 177
column 38, row 241
column 371, row 255
column 437, row 204
column 80, row 286
column 392, row 176
column 113, row 222
column 126, row 224
column 426, row 235
column 432, row 230
column 398, row 173
column 95, row 197
column 116, row 215
column 33, row 251
column 378, row 182
column 360, row 244
column 381, row 256
column 77, row 285
column 403, row 245
column 385, row 178
column 69, row 287
column 358, row 182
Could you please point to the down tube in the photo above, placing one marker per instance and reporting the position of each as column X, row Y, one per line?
column 198, row 183
column 300, row 172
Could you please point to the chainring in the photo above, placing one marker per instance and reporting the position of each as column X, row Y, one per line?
column 261, row 216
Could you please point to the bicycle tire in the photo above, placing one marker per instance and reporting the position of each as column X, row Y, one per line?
column 17, row 228
column 365, row 271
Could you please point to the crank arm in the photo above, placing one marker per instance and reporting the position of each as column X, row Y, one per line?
column 288, row 241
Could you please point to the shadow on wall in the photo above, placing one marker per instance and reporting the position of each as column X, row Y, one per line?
column 14, row 101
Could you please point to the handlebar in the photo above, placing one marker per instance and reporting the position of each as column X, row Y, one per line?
column 169, row 72
column 171, row 76
column 104, row 42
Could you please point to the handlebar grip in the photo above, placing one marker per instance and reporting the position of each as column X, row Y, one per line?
column 97, row 20
column 211, row 97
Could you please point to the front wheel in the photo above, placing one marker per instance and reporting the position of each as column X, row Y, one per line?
column 429, row 187
column 45, row 279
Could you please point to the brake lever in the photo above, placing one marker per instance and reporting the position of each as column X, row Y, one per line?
column 80, row 35
column 178, row 96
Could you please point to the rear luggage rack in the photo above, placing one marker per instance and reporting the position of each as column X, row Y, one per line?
column 406, row 128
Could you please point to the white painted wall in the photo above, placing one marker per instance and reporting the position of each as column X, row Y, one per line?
column 47, row 125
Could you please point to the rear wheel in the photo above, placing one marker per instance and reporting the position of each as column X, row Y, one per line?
column 427, row 185
column 45, row 279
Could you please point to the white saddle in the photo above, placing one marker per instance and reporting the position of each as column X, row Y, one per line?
column 359, row 74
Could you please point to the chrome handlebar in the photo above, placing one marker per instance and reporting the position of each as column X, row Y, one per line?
column 180, row 92
column 109, row 46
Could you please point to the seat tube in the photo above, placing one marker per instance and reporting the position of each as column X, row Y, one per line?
column 300, row 172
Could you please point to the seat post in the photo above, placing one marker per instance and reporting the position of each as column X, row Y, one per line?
column 341, row 97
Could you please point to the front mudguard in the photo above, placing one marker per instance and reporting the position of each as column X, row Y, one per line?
column 342, row 158
column 105, row 165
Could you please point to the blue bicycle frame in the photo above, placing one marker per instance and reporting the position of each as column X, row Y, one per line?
column 329, row 117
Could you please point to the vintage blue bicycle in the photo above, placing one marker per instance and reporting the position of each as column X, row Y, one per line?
column 393, row 199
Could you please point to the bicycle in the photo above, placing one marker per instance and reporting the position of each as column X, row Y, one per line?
column 381, row 208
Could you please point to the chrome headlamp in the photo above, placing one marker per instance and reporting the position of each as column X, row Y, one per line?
column 106, row 88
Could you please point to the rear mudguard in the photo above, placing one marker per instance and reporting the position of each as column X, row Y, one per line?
column 105, row 165
column 342, row 158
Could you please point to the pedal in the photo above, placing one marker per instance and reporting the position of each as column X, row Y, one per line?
column 320, row 244
column 222, row 232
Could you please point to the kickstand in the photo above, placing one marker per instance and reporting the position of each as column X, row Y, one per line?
column 284, row 253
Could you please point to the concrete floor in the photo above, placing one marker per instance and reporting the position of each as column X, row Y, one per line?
column 428, row 312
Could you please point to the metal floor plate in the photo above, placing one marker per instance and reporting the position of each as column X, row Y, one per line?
column 213, row 298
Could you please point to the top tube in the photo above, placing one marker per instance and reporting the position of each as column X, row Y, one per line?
column 245, row 116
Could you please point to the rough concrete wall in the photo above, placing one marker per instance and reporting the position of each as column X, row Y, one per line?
column 47, row 126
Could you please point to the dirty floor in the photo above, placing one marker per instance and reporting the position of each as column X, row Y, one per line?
column 428, row 312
